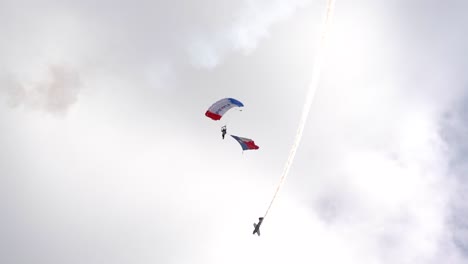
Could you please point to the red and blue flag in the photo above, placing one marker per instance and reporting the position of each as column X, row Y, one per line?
column 246, row 143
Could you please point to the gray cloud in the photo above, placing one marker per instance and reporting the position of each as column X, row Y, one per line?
column 55, row 93
column 454, row 130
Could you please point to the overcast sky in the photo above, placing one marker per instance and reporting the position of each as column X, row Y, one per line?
column 106, row 155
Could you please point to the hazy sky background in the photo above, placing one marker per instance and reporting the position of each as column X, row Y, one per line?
column 106, row 155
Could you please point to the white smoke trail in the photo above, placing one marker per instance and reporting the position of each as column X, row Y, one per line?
column 310, row 96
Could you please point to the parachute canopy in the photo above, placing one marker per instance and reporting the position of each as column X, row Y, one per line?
column 246, row 143
column 218, row 109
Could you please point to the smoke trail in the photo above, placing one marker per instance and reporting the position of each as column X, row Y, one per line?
column 308, row 102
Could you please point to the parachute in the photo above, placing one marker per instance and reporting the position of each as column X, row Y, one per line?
column 218, row 109
column 246, row 143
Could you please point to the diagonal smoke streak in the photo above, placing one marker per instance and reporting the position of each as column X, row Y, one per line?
column 308, row 102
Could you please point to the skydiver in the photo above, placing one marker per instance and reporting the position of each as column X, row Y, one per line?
column 223, row 131
column 257, row 226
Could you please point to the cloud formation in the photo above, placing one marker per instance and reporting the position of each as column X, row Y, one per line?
column 55, row 93
column 242, row 33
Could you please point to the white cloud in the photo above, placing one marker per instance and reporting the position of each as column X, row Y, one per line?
column 248, row 27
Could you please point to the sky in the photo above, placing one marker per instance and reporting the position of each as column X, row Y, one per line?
column 106, row 155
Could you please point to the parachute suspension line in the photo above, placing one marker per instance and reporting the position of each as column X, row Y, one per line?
column 308, row 102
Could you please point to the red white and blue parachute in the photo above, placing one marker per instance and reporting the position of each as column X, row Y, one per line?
column 218, row 109
column 246, row 143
